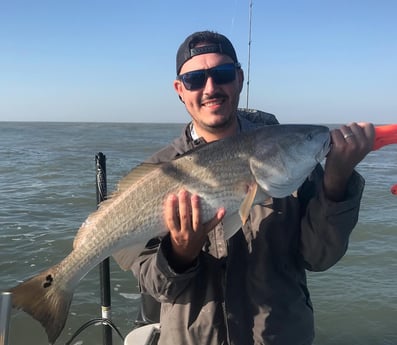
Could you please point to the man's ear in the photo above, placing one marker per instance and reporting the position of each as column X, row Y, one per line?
column 178, row 88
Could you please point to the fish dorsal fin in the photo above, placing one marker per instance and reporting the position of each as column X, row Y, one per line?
column 248, row 202
column 134, row 175
column 127, row 181
column 81, row 235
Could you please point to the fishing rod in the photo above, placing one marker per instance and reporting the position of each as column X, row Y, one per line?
column 249, row 52
column 104, row 266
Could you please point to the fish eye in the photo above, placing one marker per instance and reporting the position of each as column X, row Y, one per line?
column 309, row 137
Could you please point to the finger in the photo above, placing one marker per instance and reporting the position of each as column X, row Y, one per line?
column 361, row 129
column 184, row 210
column 196, row 212
column 171, row 213
column 368, row 131
column 364, row 133
column 349, row 132
column 337, row 139
column 336, row 136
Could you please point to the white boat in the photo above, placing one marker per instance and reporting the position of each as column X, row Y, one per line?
column 144, row 335
column 147, row 331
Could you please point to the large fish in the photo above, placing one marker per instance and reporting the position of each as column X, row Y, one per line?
column 234, row 173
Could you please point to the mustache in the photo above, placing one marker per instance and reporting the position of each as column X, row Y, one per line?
column 213, row 96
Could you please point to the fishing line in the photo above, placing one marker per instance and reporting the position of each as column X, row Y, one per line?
column 93, row 322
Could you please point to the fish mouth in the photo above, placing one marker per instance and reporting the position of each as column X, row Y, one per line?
column 324, row 150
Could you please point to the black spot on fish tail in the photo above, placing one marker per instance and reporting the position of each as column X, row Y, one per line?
column 48, row 281
column 44, row 301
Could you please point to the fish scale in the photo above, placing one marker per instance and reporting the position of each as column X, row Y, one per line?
column 234, row 173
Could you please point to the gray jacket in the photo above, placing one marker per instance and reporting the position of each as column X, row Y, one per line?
column 251, row 289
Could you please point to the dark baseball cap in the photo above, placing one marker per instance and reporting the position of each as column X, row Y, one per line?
column 213, row 43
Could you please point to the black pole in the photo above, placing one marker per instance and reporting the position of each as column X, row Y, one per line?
column 249, row 52
column 104, row 270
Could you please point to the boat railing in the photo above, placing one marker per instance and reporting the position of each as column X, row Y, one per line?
column 5, row 313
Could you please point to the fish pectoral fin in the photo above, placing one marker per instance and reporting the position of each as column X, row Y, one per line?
column 231, row 224
column 247, row 202
column 125, row 257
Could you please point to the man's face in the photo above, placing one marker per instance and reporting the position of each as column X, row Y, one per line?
column 213, row 106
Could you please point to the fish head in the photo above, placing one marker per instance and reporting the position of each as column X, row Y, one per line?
column 285, row 155
column 393, row 189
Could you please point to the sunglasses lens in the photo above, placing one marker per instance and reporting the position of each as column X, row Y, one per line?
column 222, row 74
column 194, row 80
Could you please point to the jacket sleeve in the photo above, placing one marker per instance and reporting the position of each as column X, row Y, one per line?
column 327, row 225
column 156, row 277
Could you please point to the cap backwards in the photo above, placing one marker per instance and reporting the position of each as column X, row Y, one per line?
column 215, row 43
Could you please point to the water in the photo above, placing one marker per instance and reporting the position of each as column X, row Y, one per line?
column 47, row 188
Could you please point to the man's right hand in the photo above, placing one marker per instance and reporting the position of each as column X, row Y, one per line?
column 187, row 232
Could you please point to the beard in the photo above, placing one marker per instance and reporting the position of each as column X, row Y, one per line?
column 218, row 119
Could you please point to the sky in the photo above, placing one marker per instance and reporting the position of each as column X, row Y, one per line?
column 312, row 61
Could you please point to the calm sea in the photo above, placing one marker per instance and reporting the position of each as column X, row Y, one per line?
column 47, row 189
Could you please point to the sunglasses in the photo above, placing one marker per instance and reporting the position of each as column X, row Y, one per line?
column 221, row 74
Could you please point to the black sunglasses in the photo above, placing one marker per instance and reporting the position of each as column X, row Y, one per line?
column 221, row 74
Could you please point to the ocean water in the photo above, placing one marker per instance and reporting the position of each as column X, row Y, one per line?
column 47, row 189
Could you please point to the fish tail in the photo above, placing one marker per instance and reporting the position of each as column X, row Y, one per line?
column 45, row 301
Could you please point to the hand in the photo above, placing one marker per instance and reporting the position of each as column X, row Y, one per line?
column 350, row 144
column 187, row 233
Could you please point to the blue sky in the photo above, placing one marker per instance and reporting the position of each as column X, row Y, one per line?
column 312, row 61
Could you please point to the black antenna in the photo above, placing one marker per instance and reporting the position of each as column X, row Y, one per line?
column 249, row 52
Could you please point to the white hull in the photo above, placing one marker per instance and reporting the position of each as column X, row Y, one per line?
column 145, row 335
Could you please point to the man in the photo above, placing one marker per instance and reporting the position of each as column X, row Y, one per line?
column 252, row 288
